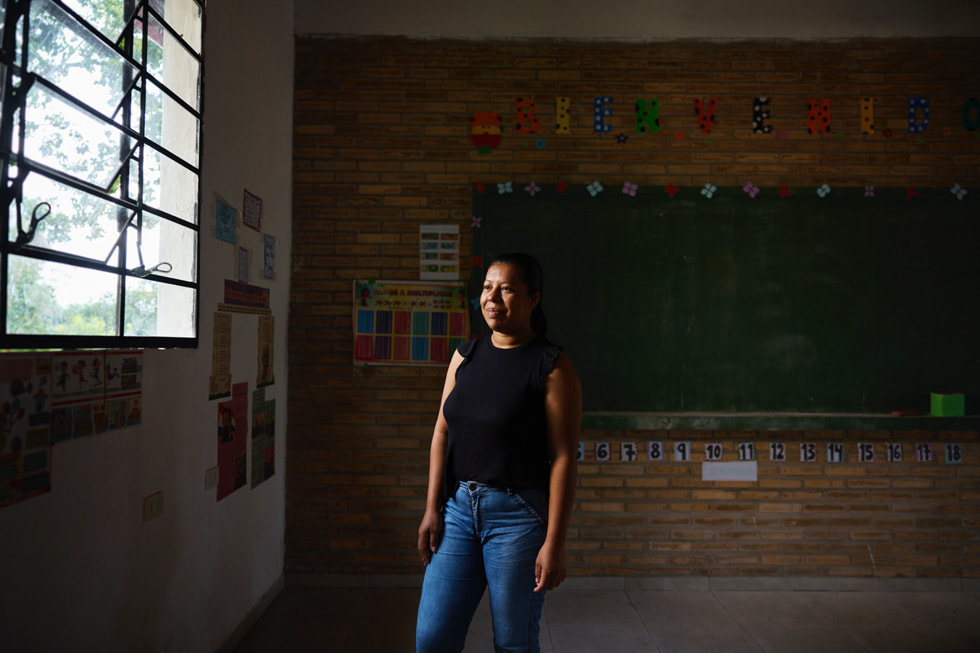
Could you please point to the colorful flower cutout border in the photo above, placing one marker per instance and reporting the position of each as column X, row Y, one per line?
column 824, row 190
column 629, row 188
column 750, row 189
column 869, row 191
column 671, row 190
column 594, row 188
column 476, row 222
column 532, row 189
column 505, row 187
column 784, row 191
column 709, row 190
column 958, row 190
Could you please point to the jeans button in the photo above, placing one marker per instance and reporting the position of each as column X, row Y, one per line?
column 473, row 487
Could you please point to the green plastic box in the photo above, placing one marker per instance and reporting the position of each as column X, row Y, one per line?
column 947, row 405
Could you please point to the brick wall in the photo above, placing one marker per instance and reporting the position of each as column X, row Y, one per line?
column 382, row 145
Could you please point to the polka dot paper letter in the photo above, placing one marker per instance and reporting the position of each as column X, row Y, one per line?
column 485, row 131
column 562, row 122
column 647, row 116
column 868, row 115
column 527, row 123
column 705, row 114
column 917, row 104
column 602, row 112
column 760, row 114
column 818, row 117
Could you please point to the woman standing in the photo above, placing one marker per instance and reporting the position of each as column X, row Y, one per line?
column 501, row 471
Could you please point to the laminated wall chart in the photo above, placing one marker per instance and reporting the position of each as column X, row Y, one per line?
column 408, row 322
column 52, row 397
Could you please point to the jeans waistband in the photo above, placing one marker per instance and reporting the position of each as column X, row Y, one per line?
column 474, row 486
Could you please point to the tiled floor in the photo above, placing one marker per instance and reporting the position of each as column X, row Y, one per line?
column 382, row 620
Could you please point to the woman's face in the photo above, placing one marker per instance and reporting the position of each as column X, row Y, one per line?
column 505, row 300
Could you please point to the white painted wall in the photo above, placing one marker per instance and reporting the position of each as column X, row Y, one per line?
column 641, row 19
column 79, row 570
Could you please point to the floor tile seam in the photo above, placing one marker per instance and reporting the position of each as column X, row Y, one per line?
column 643, row 623
column 846, row 630
column 745, row 627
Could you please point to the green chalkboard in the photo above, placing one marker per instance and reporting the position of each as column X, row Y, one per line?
column 841, row 303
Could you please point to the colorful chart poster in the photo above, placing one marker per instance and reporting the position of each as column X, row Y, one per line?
column 439, row 251
column 408, row 322
column 232, row 440
column 263, row 437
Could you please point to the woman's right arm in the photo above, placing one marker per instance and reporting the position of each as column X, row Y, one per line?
column 431, row 528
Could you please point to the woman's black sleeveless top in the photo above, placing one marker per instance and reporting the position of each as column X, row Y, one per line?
column 496, row 416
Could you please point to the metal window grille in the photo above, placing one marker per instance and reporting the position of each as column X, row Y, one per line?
column 100, row 137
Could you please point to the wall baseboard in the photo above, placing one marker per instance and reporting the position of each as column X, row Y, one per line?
column 673, row 583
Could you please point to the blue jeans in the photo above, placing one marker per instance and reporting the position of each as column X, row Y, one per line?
column 490, row 539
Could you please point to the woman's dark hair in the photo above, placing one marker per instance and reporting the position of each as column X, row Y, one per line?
column 533, row 277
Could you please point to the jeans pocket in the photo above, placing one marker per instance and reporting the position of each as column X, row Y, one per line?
column 534, row 502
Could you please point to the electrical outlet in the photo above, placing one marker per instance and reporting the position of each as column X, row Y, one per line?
column 211, row 478
column 152, row 506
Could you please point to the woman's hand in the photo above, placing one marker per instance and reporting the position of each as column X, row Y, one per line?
column 550, row 567
column 430, row 531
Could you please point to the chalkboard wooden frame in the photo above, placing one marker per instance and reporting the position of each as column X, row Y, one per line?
column 836, row 304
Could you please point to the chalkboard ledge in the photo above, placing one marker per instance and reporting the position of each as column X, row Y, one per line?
column 776, row 422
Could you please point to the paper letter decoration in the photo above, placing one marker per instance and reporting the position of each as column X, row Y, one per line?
column 562, row 123
column 647, row 115
column 915, row 125
column 760, row 113
column 527, row 123
column 971, row 114
column 485, row 131
column 601, row 111
column 868, row 115
column 818, row 116
column 705, row 114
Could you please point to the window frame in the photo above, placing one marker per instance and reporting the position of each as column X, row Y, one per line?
column 13, row 61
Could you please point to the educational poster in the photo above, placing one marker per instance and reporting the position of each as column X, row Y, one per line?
column 266, row 353
column 232, row 440
column 242, row 265
column 263, row 437
column 94, row 392
column 252, row 211
column 439, row 252
column 408, row 322
column 219, row 384
column 53, row 397
column 25, row 427
column 268, row 256
column 225, row 221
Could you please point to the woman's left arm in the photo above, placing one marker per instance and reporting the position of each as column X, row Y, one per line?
column 563, row 406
